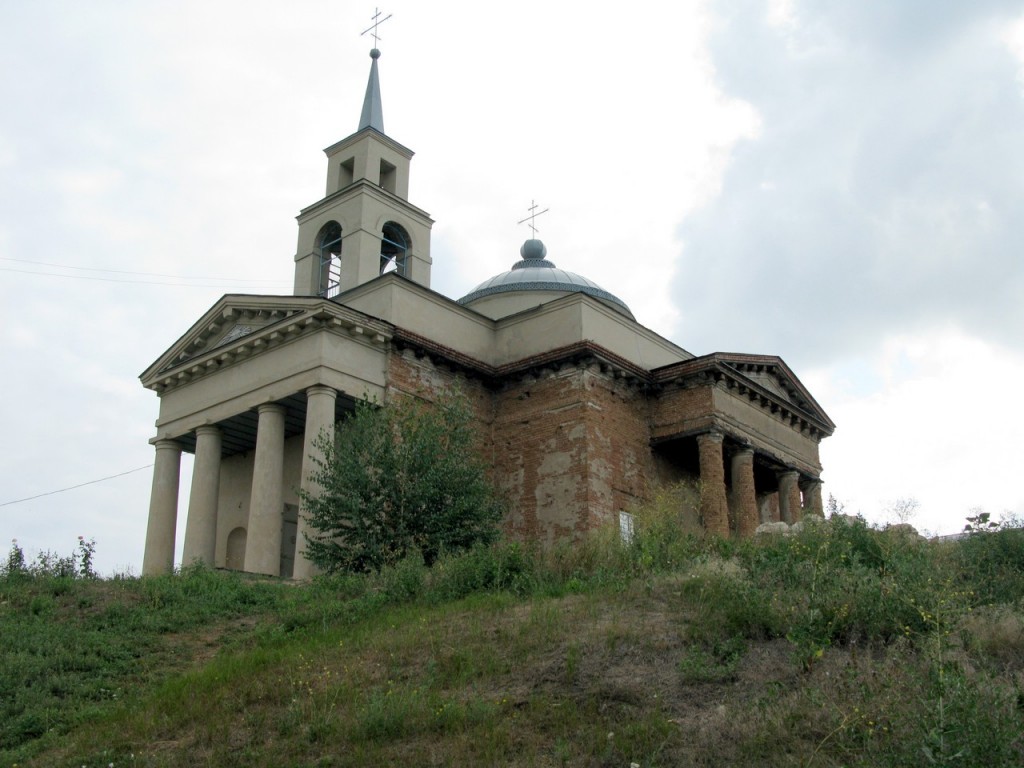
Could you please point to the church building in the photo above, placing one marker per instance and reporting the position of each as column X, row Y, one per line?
column 582, row 410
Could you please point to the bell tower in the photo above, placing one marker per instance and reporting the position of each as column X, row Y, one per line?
column 365, row 226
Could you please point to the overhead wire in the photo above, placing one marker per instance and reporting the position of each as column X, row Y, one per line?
column 232, row 280
column 111, row 280
column 73, row 487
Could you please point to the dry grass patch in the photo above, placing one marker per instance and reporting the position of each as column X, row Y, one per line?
column 998, row 633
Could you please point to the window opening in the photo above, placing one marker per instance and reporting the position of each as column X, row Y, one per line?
column 329, row 250
column 394, row 250
column 346, row 173
column 388, row 176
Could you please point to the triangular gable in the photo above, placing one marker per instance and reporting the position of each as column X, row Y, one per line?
column 770, row 380
column 229, row 319
column 767, row 374
column 773, row 374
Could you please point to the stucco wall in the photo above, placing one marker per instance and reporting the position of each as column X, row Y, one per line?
column 325, row 357
column 235, row 491
column 768, row 432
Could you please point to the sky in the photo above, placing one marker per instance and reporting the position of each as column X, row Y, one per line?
column 835, row 183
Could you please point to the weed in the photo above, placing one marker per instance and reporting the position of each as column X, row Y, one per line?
column 504, row 566
column 86, row 555
column 714, row 664
column 15, row 566
column 404, row 580
column 572, row 663
column 996, row 634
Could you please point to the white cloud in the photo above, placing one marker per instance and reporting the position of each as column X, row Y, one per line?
column 781, row 13
column 1013, row 38
column 934, row 426
column 898, row 169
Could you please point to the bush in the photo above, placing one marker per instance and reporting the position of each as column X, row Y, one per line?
column 992, row 562
column 15, row 565
column 502, row 566
column 847, row 582
column 665, row 529
column 47, row 564
column 403, row 581
column 396, row 478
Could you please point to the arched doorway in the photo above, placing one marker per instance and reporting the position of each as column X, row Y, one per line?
column 235, row 559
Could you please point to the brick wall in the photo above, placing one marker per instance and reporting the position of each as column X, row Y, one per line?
column 621, row 465
column 572, row 449
column 570, row 445
column 540, row 444
column 682, row 410
column 409, row 374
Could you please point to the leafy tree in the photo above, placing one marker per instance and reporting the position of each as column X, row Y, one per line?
column 396, row 478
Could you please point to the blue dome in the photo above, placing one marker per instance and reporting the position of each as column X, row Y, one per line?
column 535, row 273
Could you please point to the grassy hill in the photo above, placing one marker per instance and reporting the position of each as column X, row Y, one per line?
column 840, row 645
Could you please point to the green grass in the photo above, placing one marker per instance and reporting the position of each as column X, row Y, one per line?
column 839, row 646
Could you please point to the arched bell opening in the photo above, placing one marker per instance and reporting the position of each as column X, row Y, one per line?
column 328, row 248
column 394, row 249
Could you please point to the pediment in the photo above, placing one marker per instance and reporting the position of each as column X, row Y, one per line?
column 240, row 326
column 772, row 374
column 229, row 319
column 762, row 378
column 770, row 380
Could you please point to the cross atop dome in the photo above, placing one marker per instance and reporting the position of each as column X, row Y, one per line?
column 532, row 218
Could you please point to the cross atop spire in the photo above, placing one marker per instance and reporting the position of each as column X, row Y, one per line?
column 377, row 21
column 532, row 218
column 373, row 109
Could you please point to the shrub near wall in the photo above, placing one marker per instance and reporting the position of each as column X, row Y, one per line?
column 399, row 478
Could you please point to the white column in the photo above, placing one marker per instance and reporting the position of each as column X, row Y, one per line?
column 319, row 419
column 263, row 541
column 163, row 509
column 201, row 524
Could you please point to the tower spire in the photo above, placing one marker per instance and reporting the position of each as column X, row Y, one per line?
column 373, row 110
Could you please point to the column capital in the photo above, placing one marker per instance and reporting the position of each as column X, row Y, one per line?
column 321, row 389
column 712, row 436
column 166, row 443
column 744, row 450
column 271, row 408
column 207, row 429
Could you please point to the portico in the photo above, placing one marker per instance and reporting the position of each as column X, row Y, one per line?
column 756, row 431
column 251, row 406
